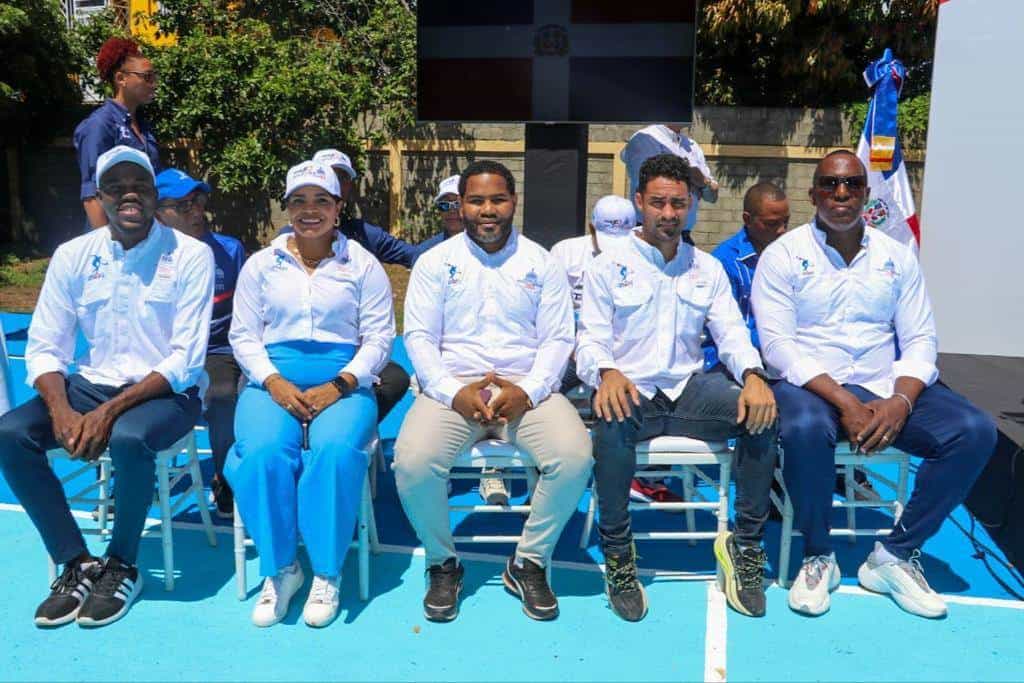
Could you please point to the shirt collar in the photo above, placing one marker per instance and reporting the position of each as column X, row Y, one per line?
column 119, row 109
column 139, row 250
column 339, row 246
column 654, row 256
column 498, row 256
column 821, row 237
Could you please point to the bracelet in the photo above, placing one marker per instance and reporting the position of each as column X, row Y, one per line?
column 906, row 399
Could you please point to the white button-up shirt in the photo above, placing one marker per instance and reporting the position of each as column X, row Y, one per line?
column 468, row 313
column 141, row 310
column 644, row 317
column 576, row 253
column 817, row 315
column 346, row 300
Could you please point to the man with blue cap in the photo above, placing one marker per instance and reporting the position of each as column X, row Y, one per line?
column 181, row 204
column 140, row 295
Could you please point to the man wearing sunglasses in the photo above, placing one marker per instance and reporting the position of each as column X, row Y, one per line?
column 844, row 319
column 447, row 204
column 181, row 204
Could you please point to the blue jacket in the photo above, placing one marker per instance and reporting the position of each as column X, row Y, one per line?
column 228, row 258
column 107, row 127
column 739, row 258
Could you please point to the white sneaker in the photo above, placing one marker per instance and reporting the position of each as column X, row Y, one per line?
column 277, row 592
column 322, row 603
column 492, row 488
column 904, row 581
column 818, row 577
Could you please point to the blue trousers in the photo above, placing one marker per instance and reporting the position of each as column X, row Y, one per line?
column 26, row 433
column 283, row 491
column 953, row 438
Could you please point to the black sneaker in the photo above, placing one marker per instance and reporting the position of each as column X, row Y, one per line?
column 625, row 593
column 112, row 595
column 68, row 593
column 529, row 583
column 223, row 498
column 441, row 603
column 744, row 575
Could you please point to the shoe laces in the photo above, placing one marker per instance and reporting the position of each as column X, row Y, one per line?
column 69, row 579
column 750, row 567
column 323, row 590
column 271, row 585
column 814, row 569
column 533, row 577
column 443, row 576
column 912, row 566
column 621, row 572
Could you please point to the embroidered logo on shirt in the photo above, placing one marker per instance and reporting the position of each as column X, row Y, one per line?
column 96, row 263
column 889, row 269
column 124, row 132
column 530, row 281
column 454, row 274
column 806, row 267
column 279, row 259
column 625, row 275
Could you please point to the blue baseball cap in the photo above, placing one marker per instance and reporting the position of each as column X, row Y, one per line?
column 175, row 184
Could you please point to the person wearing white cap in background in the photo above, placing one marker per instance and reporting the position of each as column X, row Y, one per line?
column 140, row 293
column 312, row 327
column 448, row 205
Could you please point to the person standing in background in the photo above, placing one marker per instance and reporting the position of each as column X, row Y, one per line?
column 117, row 121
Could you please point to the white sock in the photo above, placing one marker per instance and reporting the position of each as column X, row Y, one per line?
column 883, row 556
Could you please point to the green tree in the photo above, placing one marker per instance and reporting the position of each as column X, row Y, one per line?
column 38, row 96
column 808, row 53
column 258, row 86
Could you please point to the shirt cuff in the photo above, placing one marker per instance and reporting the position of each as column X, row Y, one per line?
column 364, row 377
column 444, row 390
column 922, row 370
column 179, row 379
column 40, row 365
column 88, row 190
column 803, row 371
column 536, row 390
column 260, row 370
column 740, row 364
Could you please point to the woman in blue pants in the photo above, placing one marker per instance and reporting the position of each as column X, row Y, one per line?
column 312, row 326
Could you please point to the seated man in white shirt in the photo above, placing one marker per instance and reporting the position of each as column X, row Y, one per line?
column 488, row 327
column 141, row 295
column 640, row 344
column 835, row 299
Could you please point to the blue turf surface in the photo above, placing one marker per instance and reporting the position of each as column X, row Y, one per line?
column 200, row 631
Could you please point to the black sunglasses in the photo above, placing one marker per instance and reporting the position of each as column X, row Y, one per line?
column 186, row 205
column 831, row 183
column 445, row 205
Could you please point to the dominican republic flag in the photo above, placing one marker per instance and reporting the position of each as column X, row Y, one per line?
column 555, row 60
column 891, row 207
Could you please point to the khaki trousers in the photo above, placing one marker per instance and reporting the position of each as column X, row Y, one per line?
column 433, row 434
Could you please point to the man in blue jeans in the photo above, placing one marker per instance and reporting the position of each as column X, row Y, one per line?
column 644, row 306
column 834, row 301
column 140, row 293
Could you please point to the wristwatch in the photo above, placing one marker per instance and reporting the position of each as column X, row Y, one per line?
column 755, row 371
column 342, row 386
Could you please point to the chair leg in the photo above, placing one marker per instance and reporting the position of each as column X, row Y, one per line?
column 901, row 488
column 688, row 496
column 376, row 464
column 588, row 521
column 239, row 529
column 849, row 473
column 104, row 506
column 197, row 491
column 724, row 479
column 374, row 538
column 166, row 538
column 785, row 541
column 364, row 541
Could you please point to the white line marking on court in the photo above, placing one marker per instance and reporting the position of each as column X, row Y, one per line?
column 715, row 637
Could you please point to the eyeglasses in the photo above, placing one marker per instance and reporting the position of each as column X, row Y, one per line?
column 445, row 205
column 186, row 205
column 831, row 183
column 148, row 76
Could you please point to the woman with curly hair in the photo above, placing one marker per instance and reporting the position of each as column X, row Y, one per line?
column 117, row 120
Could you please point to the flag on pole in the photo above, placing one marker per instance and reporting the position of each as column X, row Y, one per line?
column 891, row 207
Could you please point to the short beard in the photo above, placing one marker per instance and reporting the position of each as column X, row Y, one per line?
column 506, row 229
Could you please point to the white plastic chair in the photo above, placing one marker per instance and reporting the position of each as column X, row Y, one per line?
column 169, row 472
column 684, row 457
column 366, row 533
column 850, row 462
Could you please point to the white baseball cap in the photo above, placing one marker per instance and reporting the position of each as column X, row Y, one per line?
column 119, row 154
column 614, row 215
column 312, row 173
column 448, row 186
column 336, row 159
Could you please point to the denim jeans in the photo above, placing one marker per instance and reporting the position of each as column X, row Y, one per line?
column 706, row 410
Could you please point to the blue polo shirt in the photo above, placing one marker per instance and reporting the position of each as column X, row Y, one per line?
column 228, row 258
column 739, row 258
column 109, row 126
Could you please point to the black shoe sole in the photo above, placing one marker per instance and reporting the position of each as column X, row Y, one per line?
column 442, row 616
column 513, row 587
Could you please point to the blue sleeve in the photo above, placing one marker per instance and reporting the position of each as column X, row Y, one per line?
column 428, row 244
column 92, row 138
column 387, row 248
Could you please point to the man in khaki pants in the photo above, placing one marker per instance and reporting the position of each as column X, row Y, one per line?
column 489, row 329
